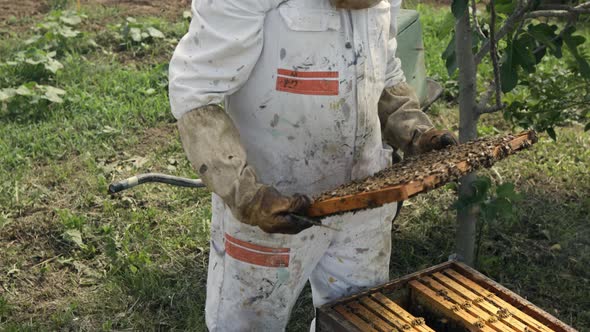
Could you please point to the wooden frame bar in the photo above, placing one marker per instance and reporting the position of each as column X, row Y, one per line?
column 404, row 191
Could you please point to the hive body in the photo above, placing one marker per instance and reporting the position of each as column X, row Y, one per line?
column 447, row 297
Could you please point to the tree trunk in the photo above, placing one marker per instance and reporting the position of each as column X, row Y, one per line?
column 466, row 220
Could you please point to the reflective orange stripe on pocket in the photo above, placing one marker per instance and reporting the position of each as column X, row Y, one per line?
column 322, row 83
column 256, row 254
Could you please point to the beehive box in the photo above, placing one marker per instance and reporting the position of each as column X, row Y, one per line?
column 447, row 297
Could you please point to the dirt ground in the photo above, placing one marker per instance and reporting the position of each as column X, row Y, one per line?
column 22, row 8
column 145, row 7
column 30, row 8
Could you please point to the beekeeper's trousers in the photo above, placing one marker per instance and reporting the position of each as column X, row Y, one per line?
column 255, row 278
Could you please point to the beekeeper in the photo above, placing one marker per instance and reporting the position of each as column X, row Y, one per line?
column 312, row 90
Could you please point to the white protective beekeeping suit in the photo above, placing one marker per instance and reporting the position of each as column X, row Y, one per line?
column 301, row 81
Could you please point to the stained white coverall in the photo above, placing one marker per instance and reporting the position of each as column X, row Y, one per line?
column 301, row 81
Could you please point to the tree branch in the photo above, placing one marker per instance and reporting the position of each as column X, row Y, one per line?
column 550, row 13
column 521, row 12
column 476, row 25
column 581, row 8
column 495, row 86
column 494, row 54
column 488, row 96
column 508, row 26
column 483, row 108
column 492, row 109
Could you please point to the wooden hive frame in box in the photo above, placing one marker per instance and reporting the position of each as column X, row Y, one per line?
column 453, row 297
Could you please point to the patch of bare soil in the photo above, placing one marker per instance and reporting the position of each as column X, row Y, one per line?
column 35, row 276
column 167, row 8
column 21, row 8
column 441, row 163
column 156, row 137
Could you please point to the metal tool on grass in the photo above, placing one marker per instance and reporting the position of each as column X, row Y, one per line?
column 188, row 183
column 154, row 177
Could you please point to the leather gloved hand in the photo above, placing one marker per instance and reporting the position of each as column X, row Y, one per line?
column 272, row 211
column 212, row 144
column 404, row 126
column 354, row 4
column 436, row 140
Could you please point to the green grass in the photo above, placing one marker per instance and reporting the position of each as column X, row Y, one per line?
column 75, row 258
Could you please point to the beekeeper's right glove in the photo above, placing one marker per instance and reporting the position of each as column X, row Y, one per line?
column 212, row 144
column 404, row 126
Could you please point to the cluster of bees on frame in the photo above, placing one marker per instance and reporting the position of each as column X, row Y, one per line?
column 443, row 164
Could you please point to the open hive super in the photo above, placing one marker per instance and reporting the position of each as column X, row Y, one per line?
column 419, row 174
column 448, row 297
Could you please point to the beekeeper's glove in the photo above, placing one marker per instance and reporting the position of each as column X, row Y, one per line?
column 212, row 143
column 404, row 126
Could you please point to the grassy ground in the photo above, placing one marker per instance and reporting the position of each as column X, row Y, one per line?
column 74, row 258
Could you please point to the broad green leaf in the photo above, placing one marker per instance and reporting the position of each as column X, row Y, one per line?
column 33, row 61
column 481, row 185
column 6, row 94
column 505, row 6
column 53, row 94
column 68, row 32
column 135, row 34
column 508, row 69
column 53, row 65
column 503, row 207
column 74, row 236
column 149, row 92
column 32, row 40
column 459, row 7
column 572, row 43
column 71, row 20
column 489, row 212
column 450, row 57
column 155, row 33
column 540, row 54
column 91, row 42
column 507, row 190
column 545, row 35
column 552, row 134
column 523, row 53
column 24, row 90
column 131, row 20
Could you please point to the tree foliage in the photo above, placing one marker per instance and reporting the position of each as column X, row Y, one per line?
column 529, row 32
column 516, row 37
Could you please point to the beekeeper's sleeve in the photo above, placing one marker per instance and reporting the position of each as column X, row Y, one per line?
column 217, row 55
column 394, row 75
